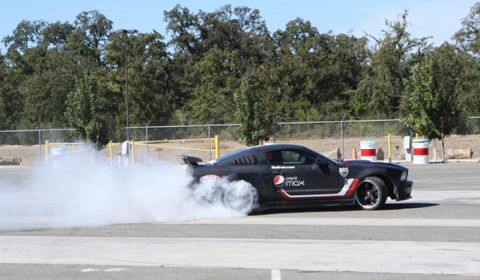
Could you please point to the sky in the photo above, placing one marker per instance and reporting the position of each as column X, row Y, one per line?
column 439, row 19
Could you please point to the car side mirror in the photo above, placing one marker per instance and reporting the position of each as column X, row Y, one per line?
column 319, row 162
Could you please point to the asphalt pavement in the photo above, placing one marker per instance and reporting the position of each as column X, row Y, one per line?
column 434, row 235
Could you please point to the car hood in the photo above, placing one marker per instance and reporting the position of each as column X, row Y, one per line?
column 368, row 163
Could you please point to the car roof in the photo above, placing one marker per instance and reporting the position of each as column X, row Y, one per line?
column 266, row 147
column 277, row 147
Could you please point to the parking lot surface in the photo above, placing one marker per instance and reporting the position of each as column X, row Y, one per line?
column 434, row 235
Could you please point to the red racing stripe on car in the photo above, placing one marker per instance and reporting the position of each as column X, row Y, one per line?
column 352, row 187
column 345, row 192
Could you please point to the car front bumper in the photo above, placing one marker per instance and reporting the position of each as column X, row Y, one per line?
column 404, row 190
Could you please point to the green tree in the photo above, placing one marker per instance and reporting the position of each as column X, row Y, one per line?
column 468, row 40
column 253, row 111
column 431, row 95
column 469, row 98
column 213, row 96
column 41, row 73
column 85, row 111
column 311, row 72
column 380, row 91
column 468, row 36
column 151, row 96
column 3, row 109
column 212, row 53
column 88, row 40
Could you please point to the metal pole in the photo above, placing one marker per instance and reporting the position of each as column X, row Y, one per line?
column 126, row 32
column 209, row 138
column 341, row 131
column 146, row 135
column 443, row 141
column 275, row 132
column 275, row 129
column 389, row 147
column 126, row 81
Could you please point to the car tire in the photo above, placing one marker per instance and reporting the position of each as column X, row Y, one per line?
column 371, row 194
column 239, row 198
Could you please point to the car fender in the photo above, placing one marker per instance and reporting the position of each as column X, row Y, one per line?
column 382, row 174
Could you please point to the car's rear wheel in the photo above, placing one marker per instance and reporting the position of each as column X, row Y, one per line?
column 371, row 193
column 240, row 198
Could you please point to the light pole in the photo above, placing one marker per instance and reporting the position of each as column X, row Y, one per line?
column 126, row 32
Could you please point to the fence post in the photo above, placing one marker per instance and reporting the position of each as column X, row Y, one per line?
column 389, row 147
column 133, row 153
column 275, row 123
column 146, row 135
column 217, row 147
column 443, row 140
column 341, row 131
column 110, row 144
column 40, row 141
column 209, row 137
column 46, row 151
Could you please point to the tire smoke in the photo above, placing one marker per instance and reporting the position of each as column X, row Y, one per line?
column 79, row 196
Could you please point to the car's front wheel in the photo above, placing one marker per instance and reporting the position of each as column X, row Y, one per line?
column 371, row 193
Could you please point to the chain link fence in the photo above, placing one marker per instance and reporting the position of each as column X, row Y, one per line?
column 169, row 142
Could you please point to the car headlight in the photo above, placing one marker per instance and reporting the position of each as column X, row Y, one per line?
column 404, row 175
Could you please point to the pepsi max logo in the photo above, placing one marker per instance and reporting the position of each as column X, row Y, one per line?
column 279, row 181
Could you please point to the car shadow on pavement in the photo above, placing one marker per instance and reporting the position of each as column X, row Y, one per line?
column 407, row 205
column 387, row 207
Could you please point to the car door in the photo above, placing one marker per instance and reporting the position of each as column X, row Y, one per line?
column 295, row 172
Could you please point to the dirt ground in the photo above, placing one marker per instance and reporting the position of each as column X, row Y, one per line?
column 31, row 155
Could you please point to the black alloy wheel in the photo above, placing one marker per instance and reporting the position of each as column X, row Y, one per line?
column 371, row 193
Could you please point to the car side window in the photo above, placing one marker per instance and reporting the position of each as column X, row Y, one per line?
column 290, row 157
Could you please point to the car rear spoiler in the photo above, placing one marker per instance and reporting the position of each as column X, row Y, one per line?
column 192, row 161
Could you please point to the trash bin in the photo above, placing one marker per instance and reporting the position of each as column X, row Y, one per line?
column 58, row 156
column 420, row 152
column 368, row 150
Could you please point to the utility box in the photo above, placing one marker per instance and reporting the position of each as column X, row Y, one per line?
column 407, row 146
column 126, row 148
column 125, row 154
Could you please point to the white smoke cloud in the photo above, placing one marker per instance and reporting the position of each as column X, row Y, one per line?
column 78, row 195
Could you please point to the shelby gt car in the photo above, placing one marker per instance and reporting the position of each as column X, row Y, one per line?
column 285, row 175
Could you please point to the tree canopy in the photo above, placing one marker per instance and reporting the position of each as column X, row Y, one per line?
column 227, row 66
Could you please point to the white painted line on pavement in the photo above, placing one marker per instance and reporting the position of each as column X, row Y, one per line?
column 302, row 221
column 276, row 274
column 90, row 270
column 115, row 269
column 438, row 196
column 411, row 257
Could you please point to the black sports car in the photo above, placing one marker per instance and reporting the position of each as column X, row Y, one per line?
column 286, row 175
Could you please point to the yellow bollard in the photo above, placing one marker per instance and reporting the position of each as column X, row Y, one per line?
column 416, row 138
column 389, row 147
column 46, row 151
column 217, row 147
column 183, row 144
column 110, row 144
column 133, row 153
